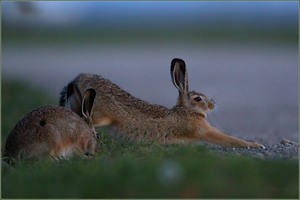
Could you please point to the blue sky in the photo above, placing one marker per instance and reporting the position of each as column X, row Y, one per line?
column 93, row 13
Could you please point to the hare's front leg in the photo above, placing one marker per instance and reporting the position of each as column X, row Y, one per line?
column 217, row 137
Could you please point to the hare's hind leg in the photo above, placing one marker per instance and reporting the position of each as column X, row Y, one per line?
column 62, row 150
column 59, row 152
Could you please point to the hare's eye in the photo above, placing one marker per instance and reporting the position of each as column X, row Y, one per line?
column 198, row 99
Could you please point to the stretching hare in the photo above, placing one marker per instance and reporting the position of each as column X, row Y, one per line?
column 54, row 131
column 185, row 122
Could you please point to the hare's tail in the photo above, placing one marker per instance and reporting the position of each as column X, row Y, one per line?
column 63, row 96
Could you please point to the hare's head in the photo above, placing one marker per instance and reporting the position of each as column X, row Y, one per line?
column 83, row 106
column 195, row 101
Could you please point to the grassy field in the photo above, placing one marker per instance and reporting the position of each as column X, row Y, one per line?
column 137, row 170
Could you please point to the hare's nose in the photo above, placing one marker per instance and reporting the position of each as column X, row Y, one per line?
column 213, row 101
column 211, row 104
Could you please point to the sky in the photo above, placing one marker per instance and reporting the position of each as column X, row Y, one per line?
column 53, row 13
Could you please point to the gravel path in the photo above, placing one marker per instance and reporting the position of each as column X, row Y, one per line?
column 284, row 150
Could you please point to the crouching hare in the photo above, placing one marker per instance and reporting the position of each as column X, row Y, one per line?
column 184, row 123
column 54, row 131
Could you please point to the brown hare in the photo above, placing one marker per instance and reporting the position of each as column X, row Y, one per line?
column 54, row 131
column 184, row 123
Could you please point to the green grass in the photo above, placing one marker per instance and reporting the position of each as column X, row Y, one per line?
column 122, row 169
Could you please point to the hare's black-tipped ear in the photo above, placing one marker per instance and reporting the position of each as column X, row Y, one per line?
column 179, row 76
column 74, row 99
column 88, row 103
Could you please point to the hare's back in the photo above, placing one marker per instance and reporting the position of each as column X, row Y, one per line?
column 97, row 82
column 46, row 123
column 111, row 98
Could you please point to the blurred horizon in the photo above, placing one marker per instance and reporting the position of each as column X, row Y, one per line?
column 152, row 19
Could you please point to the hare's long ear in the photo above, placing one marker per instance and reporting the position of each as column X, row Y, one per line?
column 88, row 104
column 74, row 99
column 179, row 76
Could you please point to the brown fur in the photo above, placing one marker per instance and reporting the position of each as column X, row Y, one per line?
column 50, row 131
column 140, row 120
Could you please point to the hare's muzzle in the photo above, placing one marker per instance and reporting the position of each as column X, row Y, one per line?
column 211, row 104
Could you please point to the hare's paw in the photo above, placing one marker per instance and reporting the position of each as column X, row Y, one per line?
column 256, row 145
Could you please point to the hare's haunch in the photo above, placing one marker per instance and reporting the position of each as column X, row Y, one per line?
column 139, row 120
column 53, row 131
